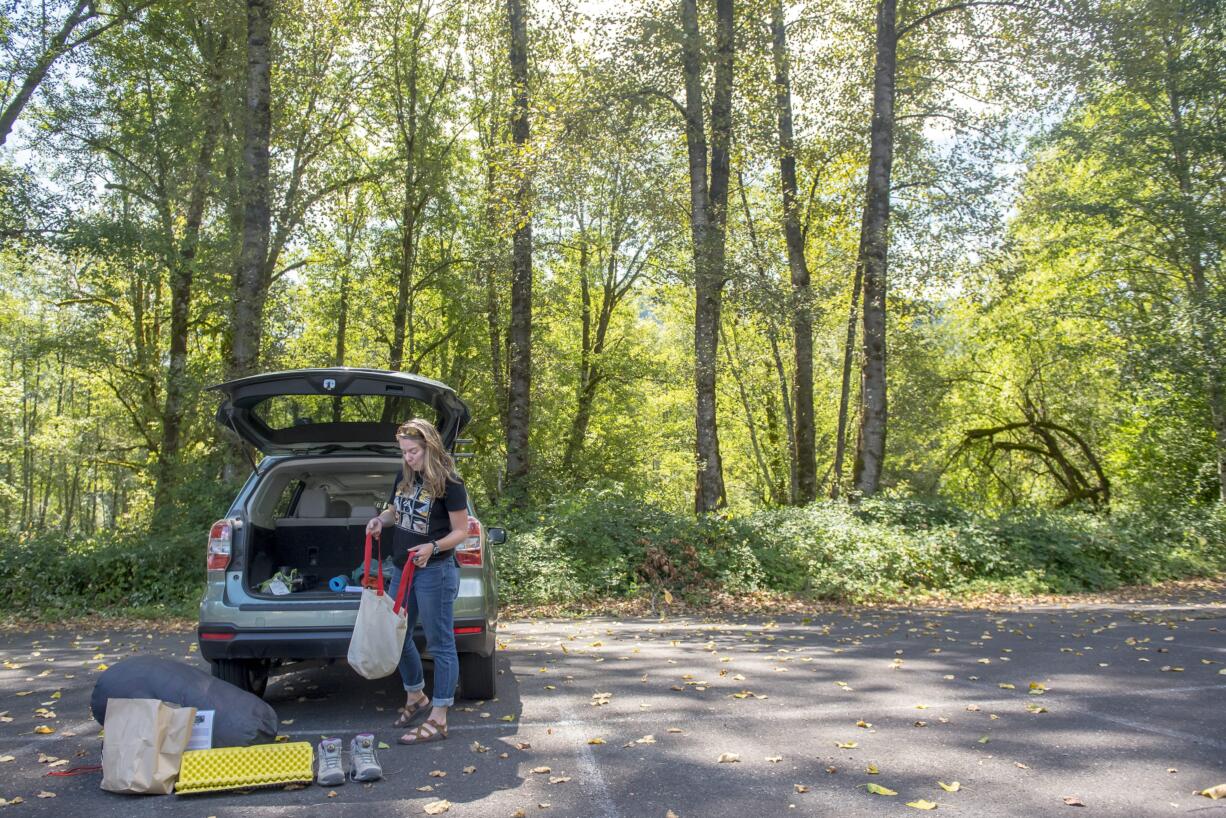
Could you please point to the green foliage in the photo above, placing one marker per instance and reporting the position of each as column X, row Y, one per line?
column 52, row 574
column 605, row 542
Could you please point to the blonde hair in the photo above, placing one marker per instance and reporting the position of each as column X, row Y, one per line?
column 437, row 465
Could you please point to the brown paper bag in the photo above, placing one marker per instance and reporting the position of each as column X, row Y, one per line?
column 143, row 745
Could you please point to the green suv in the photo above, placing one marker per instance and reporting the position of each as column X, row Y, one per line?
column 284, row 565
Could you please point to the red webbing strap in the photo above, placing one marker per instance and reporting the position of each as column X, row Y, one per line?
column 406, row 579
column 366, row 569
column 93, row 768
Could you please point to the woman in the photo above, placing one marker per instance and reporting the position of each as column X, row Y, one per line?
column 429, row 509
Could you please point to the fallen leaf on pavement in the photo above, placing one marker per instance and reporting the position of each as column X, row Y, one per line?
column 848, row 745
column 872, row 769
column 45, row 794
column 436, row 807
column 1073, row 801
column 595, row 741
column 559, row 779
column 44, row 730
column 877, row 789
column 469, row 770
column 331, row 793
column 426, row 788
column 1213, row 792
column 774, row 759
column 437, row 774
column 921, row 804
column 541, row 770
column 800, row 788
column 6, row 759
column 954, row 787
column 728, row 758
column 863, row 723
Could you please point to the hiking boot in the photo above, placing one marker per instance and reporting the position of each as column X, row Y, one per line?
column 329, row 772
column 363, row 766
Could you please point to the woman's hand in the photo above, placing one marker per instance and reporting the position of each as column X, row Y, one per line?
column 374, row 528
column 421, row 554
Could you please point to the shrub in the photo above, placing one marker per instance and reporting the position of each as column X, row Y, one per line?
column 603, row 541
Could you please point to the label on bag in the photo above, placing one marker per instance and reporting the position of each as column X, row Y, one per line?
column 278, row 588
column 202, row 731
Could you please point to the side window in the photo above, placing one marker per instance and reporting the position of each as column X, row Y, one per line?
column 286, row 500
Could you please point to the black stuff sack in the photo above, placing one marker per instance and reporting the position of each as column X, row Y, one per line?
column 239, row 719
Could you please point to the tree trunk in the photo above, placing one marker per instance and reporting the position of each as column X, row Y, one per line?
column 840, row 440
column 519, row 352
column 406, row 121
column 804, row 455
column 251, row 279
column 583, row 410
column 874, row 247
column 182, row 272
column 708, row 221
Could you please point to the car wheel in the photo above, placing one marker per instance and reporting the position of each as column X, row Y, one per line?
column 477, row 676
column 251, row 676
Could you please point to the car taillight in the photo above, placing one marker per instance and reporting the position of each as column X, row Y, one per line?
column 469, row 551
column 220, row 539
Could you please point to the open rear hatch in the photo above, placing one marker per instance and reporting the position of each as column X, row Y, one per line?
column 311, row 411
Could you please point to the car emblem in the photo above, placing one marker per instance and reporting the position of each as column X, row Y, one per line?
column 329, row 384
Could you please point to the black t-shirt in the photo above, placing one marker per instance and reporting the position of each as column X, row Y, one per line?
column 421, row 517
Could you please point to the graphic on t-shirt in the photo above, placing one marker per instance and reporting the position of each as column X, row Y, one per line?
column 413, row 510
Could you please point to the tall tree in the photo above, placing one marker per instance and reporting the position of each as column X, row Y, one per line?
column 519, row 336
column 182, row 262
column 804, row 455
column 708, row 227
column 871, row 261
column 250, row 287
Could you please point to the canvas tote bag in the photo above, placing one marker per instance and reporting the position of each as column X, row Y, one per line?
column 379, row 632
column 143, row 745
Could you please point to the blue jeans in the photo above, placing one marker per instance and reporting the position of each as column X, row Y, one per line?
column 432, row 597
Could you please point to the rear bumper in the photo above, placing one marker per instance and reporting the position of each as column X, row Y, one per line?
column 223, row 640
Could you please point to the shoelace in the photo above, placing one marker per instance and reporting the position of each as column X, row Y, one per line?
column 331, row 761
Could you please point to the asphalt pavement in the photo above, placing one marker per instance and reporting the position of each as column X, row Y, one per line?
column 1119, row 709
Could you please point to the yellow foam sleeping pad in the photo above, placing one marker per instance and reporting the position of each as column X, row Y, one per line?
column 242, row 768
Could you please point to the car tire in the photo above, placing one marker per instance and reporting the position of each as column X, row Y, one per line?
column 243, row 674
column 477, row 676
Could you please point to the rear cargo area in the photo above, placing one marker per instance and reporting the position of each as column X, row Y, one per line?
column 307, row 524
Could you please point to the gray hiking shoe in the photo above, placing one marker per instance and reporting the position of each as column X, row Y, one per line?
column 363, row 766
column 329, row 772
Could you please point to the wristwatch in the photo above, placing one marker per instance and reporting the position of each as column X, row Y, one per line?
column 434, row 552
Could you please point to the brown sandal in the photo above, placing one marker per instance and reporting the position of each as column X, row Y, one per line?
column 410, row 712
column 421, row 736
